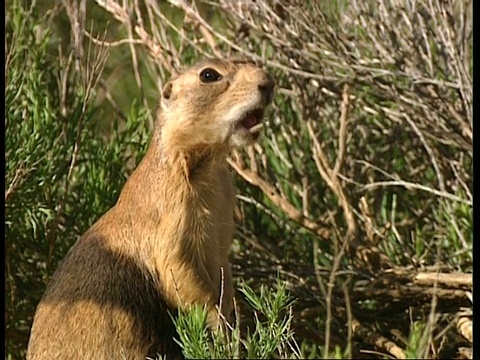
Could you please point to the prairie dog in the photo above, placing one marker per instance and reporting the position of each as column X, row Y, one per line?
column 164, row 245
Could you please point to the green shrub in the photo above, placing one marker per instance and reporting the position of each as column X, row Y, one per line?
column 61, row 173
column 271, row 337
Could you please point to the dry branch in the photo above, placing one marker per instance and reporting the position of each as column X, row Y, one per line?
column 156, row 50
column 465, row 353
column 404, row 292
column 376, row 339
column 465, row 326
column 283, row 203
column 454, row 280
column 402, row 284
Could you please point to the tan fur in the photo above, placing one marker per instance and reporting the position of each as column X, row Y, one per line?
column 165, row 244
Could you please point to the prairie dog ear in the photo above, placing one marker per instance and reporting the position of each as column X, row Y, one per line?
column 166, row 95
column 167, row 90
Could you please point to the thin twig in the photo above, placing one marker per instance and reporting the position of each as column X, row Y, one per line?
column 410, row 185
column 284, row 204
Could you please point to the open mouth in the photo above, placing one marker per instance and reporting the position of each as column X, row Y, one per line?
column 252, row 121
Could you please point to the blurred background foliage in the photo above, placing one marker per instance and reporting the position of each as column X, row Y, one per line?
column 358, row 197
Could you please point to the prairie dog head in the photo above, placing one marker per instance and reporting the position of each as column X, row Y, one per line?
column 216, row 103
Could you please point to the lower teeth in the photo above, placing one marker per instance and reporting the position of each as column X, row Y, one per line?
column 256, row 127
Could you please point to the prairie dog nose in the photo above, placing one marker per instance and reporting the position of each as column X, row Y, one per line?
column 263, row 80
column 266, row 83
column 257, row 76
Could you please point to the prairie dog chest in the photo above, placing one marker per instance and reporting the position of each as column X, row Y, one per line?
column 215, row 197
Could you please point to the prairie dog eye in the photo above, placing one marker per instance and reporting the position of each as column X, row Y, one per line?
column 209, row 75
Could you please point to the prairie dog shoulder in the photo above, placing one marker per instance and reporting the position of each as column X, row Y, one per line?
column 165, row 243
